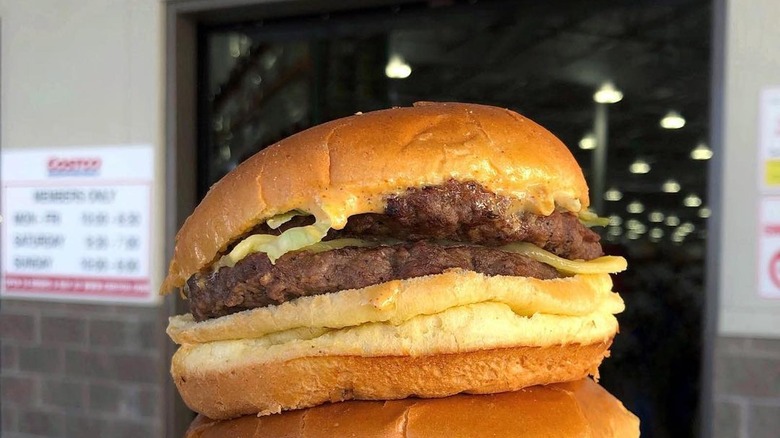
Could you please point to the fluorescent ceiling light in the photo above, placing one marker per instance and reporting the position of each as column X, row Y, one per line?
column 686, row 228
column 704, row 212
column 672, row 120
column 655, row 216
column 633, row 224
column 656, row 233
column 701, row 152
column 639, row 166
column 692, row 200
column 607, row 93
column 615, row 220
column 613, row 194
column 397, row 68
column 588, row 141
column 670, row 186
column 615, row 231
column 635, row 207
column 672, row 220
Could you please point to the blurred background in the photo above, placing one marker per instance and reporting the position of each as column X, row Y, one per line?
column 631, row 80
column 658, row 101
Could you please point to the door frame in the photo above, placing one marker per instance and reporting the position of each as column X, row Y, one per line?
column 183, row 18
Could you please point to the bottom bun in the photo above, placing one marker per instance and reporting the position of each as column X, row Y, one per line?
column 574, row 409
column 267, row 388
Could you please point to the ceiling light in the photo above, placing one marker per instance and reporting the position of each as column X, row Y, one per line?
column 656, row 233
column 633, row 224
column 672, row 120
column 701, row 152
column 633, row 235
column 639, row 166
column 636, row 226
column 613, row 194
column 686, row 228
column 615, row 231
column 670, row 186
column 656, row 216
column 677, row 238
column 588, row 141
column 704, row 212
column 635, row 207
column 234, row 45
column 654, row 239
column 608, row 94
column 672, row 220
column 692, row 201
column 397, row 68
column 615, row 220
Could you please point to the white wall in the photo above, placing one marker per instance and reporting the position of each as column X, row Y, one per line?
column 752, row 63
column 85, row 73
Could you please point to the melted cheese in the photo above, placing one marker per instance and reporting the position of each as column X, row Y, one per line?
column 274, row 222
column 309, row 238
column 601, row 265
column 339, row 205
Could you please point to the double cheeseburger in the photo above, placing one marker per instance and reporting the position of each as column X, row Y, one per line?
column 412, row 252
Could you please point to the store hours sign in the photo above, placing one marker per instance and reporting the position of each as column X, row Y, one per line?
column 77, row 223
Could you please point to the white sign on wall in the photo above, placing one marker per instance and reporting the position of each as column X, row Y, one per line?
column 77, row 223
column 769, row 188
column 769, row 140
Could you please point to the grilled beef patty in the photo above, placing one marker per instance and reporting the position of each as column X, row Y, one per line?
column 255, row 282
column 454, row 211
column 467, row 212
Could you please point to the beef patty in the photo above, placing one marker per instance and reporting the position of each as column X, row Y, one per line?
column 255, row 282
column 454, row 211
column 467, row 212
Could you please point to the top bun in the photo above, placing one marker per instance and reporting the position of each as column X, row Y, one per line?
column 348, row 166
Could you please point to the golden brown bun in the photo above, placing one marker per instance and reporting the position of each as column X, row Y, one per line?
column 430, row 336
column 580, row 409
column 310, row 381
column 349, row 166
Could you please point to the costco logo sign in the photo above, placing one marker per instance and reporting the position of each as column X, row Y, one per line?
column 59, row 166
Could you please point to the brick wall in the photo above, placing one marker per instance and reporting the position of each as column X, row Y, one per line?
column 747, row 388
column 81, row 370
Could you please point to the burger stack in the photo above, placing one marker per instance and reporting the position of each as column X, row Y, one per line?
column 434, row 265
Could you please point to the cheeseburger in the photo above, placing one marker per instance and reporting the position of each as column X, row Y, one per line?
column 411, row 252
